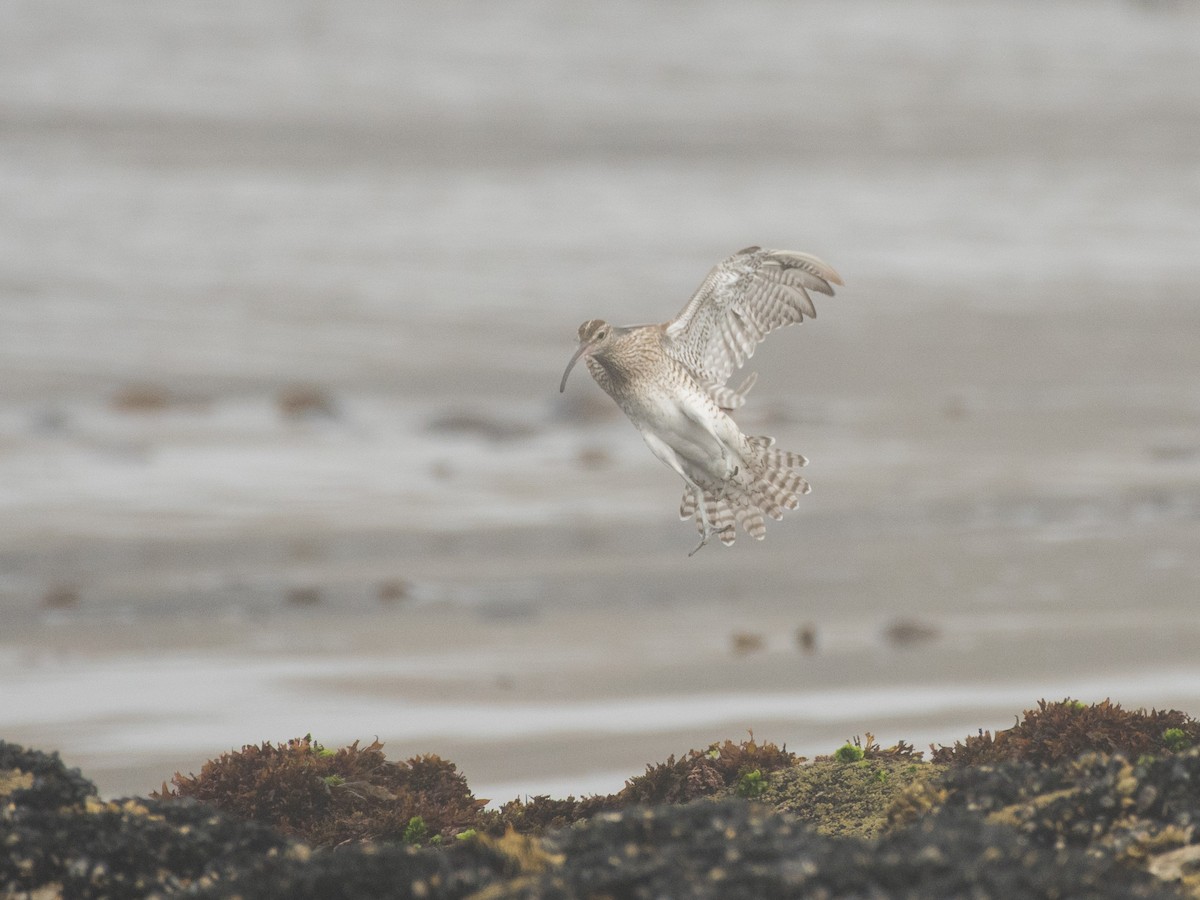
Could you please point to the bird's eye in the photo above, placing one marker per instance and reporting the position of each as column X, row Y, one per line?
column 601, row 334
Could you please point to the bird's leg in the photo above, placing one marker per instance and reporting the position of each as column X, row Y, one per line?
column 731, row 469
column 707, row 530
column 706, row 526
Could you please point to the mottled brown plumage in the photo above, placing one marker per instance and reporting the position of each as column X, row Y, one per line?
column 670, row 380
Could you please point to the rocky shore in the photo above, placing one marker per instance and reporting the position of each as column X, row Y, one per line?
column 1074, row 800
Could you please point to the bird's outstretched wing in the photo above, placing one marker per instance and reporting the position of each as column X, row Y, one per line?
column 743, row 299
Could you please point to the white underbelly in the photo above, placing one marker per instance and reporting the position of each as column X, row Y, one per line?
column 695, row 439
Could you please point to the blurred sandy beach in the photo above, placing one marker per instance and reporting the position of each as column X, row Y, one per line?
column 286, row 290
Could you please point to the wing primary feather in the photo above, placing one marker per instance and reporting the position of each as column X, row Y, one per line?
column 742, row 300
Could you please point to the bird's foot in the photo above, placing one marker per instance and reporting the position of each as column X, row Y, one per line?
column 708, row 533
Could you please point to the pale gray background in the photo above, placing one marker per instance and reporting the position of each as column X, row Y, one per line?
column 406, row 209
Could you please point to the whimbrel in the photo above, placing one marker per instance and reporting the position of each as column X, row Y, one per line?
column 670, row 380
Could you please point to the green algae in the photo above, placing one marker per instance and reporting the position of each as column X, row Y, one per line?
column 837, row 798
column 751, row 785
column 1176, row 740
column 848, row 753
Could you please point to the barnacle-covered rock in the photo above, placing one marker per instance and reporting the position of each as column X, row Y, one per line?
column 732, row 850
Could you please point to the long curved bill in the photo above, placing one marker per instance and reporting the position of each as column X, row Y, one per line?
column 574, row 359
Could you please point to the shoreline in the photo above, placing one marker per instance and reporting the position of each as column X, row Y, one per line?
column 515, row 702
column 1073, row 799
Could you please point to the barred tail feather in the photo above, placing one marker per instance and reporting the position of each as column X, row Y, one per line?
column 776, row 486
column 720, row 517
column 725, row 521
column 790, row 460
column 687, row 506
column 773, row 487
column 724, row 514
column 775, row 459
column 781, row 488
column 751, row 520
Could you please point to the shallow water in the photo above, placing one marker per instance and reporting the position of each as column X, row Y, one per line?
column 285, row 297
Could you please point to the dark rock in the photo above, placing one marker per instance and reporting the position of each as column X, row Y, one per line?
column 56, row 832
column 732, row 849
column 1093, row 827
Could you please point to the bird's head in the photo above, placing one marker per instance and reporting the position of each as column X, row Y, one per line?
column 594, row 334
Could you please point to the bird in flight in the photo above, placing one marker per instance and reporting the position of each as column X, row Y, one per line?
column 670, row 380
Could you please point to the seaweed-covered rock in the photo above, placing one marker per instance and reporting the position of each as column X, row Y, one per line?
column 537, row 814
column 328, row 797
column 57, row 837
column 1061, row 731
column 703, row 773
column 1039, row 824
column 722, row 767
